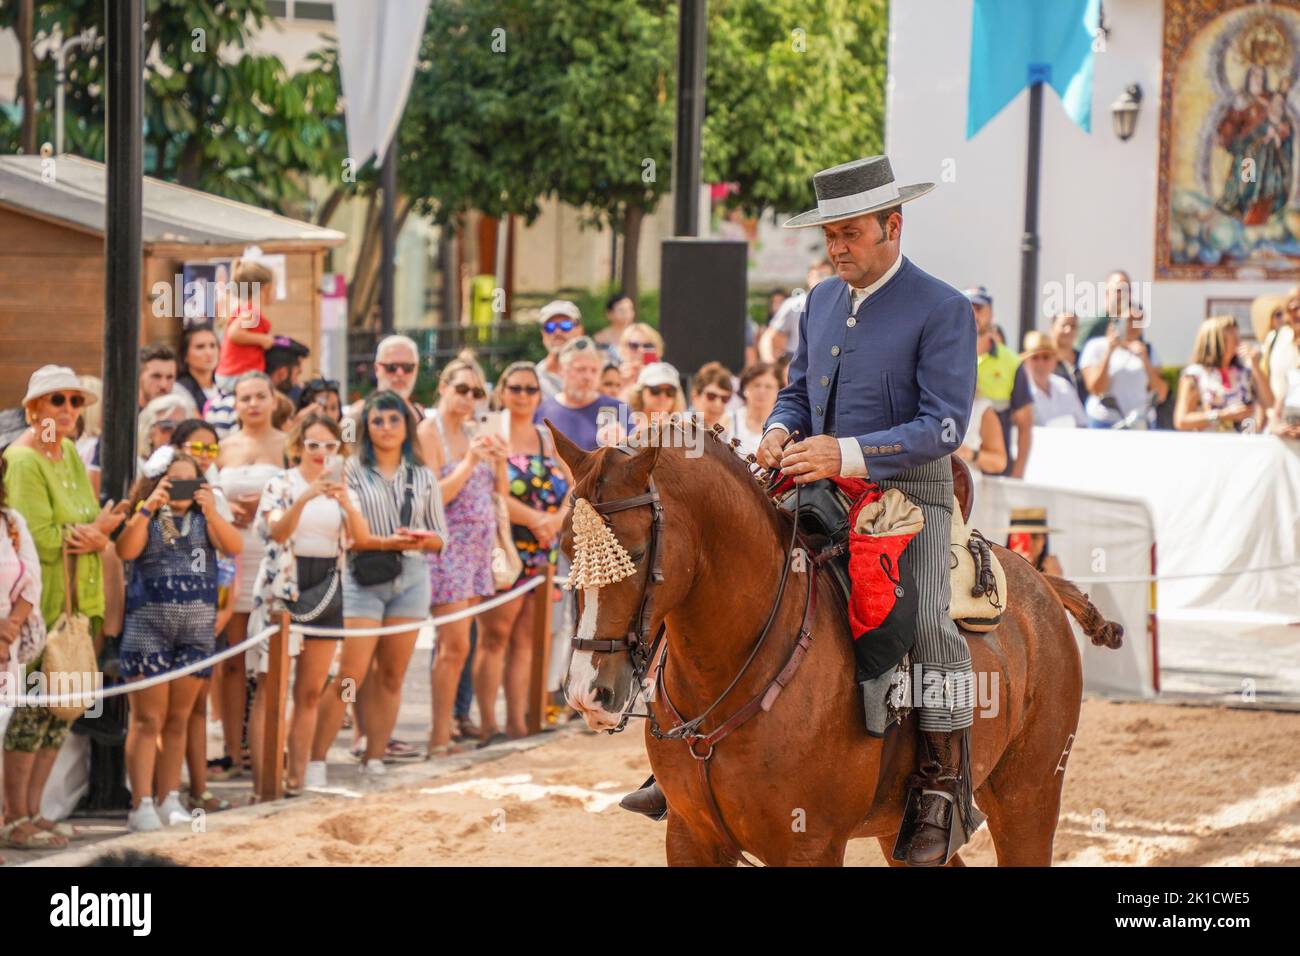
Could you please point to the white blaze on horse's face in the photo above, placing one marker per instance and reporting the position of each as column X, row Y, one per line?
column 584, row 679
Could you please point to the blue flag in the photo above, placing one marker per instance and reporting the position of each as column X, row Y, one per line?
column 1015, row 43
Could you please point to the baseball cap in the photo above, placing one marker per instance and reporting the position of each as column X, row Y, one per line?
column 559, row 307
column 979, row 295
column 658, row 373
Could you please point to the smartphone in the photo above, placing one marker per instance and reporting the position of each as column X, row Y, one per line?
column 183, row 490
column 334, row 469
column 650, row 356
column 418, row 533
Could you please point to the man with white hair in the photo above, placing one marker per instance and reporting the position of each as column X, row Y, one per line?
column 397, row 366
column 561, row 322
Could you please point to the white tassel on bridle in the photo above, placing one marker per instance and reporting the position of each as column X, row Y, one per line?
column 598, row 558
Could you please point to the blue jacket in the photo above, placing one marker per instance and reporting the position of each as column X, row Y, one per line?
column 902, row 369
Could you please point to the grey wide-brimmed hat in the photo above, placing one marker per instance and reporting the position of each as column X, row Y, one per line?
column 855, row 189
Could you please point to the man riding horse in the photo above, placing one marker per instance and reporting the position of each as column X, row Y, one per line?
column 881, row 387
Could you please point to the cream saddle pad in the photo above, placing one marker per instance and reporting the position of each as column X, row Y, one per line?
column 979, row 612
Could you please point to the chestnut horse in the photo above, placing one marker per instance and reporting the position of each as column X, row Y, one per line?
column 794, row 783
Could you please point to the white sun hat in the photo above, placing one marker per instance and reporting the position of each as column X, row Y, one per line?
column 56, row 378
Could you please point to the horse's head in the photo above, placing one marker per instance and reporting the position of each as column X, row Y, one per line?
column 613, row 639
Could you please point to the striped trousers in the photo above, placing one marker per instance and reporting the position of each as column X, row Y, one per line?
column 941, row 664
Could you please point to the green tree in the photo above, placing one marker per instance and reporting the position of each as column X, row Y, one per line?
column 792, row 86
column 217, row 117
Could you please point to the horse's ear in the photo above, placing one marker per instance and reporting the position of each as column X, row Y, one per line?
column 569, row 453
column 644, row 462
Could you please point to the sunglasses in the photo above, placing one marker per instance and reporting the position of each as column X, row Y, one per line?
column 59, row 399
column 315, row 445
column 392, row 368
column 711, row 396
column 462, row 390
column 640, row 346
column 551, row 326
column 662, row 391
column 522, row 389
column 202, row 448
column 166, row 425
column 391, row 420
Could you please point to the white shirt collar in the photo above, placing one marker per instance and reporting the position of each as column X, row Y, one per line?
column 856, row 295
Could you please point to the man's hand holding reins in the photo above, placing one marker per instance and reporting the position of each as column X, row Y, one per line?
column 811, row 459
column 769, row 449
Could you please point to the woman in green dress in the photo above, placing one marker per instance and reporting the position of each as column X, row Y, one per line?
column 46, row 483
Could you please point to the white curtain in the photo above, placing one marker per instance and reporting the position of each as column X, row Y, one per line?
column 378, row 47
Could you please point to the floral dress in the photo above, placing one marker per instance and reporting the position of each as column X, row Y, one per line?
column 538, row 482
column 463, row 568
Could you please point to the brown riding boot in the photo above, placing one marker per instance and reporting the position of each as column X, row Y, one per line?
column 941, row 814
column 649, row 800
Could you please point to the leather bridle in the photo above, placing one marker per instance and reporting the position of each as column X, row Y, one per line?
column 647, row 655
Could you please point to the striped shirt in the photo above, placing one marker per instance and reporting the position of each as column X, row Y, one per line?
column 381, row 499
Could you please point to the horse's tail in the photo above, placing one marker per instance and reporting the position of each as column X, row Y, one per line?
column 1100, row 631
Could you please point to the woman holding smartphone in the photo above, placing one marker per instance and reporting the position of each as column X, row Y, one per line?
column 468, row 463
column 386, row 578
column 308, row 519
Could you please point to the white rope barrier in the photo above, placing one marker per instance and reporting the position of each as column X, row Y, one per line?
column 88, row 695
column 1148, row 578
column 503, row 598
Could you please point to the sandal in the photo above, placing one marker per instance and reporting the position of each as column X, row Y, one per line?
column 465, row 730
column 208, row 803
column 496, row 738
column 223, row 769
column 401, row 750
column 65, row 830
column 443, row 750
column 358, row 751
column 40, row 840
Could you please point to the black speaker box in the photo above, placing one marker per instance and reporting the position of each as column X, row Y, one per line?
column 702, row 303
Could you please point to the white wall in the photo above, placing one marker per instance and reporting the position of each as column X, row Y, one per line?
column 1097, row 204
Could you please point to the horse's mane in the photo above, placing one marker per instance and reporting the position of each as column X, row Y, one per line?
column 719, row 451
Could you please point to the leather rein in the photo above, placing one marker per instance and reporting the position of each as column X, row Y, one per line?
column 651, row 655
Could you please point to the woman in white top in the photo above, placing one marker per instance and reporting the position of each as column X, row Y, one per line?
column 759, row 385
column 308, row 519
column 249, row 458
column 983, row 445
column 1216, row 392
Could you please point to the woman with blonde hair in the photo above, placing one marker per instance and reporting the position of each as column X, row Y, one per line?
column 469, row 464
column 638, row 346
column 658, row 395
column 1216, row 392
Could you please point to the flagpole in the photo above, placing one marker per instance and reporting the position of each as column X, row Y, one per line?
column 1029, row 241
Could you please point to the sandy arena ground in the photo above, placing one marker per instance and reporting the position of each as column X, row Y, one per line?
column 1148, row 785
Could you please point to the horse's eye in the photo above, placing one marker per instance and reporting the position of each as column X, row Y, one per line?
column 636, row 555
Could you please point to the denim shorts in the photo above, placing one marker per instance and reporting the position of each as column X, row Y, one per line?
column 407, row 595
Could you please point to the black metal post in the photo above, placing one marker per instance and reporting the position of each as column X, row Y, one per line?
column 692, row 43
column 124, row 155
column 1029, row 241
column 387, row 292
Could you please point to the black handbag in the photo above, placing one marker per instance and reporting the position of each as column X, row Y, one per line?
column 322, row 599
column 380, row 567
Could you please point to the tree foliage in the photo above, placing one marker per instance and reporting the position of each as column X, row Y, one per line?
column 218, row 117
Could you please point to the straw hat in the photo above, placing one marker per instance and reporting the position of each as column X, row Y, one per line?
column 49, row 379
column 1029, row 521
column 1261, row 313
column 1036, row 342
